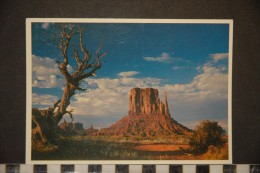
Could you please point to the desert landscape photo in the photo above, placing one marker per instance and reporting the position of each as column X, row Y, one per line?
column 129, row 91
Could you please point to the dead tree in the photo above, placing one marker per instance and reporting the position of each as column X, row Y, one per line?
column 45, row 122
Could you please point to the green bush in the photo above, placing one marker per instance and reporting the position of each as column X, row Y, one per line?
column 207, row 133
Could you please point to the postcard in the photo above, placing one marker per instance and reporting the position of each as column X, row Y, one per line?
column 129, row 91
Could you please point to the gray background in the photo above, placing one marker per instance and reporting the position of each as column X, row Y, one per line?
column 246, row 66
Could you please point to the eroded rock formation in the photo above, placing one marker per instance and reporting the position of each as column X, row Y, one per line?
column 148, row 116
column 146, row 102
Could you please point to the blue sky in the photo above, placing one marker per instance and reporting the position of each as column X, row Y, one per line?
column 189, row 61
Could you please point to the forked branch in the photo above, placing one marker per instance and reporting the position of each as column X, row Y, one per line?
column 86, row 66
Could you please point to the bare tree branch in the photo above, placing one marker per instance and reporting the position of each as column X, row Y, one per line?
column 73, row 81
column 86, row 67
column 76, row 55
column 87, row 57
column 89, row 74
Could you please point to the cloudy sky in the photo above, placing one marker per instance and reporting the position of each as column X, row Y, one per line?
column 188, row 61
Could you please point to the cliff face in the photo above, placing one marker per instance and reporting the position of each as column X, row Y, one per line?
column 147, row 115
column 146, row 102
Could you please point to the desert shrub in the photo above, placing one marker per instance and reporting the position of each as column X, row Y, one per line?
column 207, row 133
column 132, row 133
column 143, row 134
column 216, row 153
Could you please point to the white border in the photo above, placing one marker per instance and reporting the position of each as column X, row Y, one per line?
column 29, row 21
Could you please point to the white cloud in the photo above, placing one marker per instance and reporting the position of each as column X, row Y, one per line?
column 100, row 102
column 205, row 97
column 45, row 73
column 211, row 84
column 179, row 67
column 128, row 74
column 43, row 100
column 45, row 25
column 165, row 58
column 219, row 56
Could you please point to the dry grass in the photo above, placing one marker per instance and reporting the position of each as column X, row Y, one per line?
column 105, row 148
column 216, row 153
column 161, row 147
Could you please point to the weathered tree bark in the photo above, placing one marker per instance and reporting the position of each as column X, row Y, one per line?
column 45, row 122
column 65, row 101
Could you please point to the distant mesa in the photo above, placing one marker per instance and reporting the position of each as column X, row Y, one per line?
column 71, row 126
column 91, row 130
column 76, row 128
column 148, row 116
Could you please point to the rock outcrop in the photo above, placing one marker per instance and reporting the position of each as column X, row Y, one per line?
column 71, row 128
column 148, row 116
column 78, row 126
column 91, row 130
column 147, row 102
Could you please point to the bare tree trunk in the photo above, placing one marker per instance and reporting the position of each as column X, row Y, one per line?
column 43, row 127
column 45, row 122
column 65, row 101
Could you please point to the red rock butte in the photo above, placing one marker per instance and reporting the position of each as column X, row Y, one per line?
column 147, row 115
column 146, row 101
